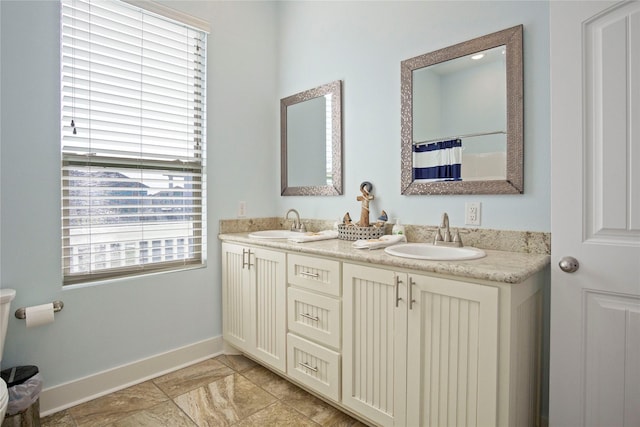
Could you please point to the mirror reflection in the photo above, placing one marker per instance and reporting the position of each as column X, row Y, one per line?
column 462, row 118
column 311, row 141
column 463, row 100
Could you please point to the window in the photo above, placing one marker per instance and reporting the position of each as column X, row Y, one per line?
column 133, row 141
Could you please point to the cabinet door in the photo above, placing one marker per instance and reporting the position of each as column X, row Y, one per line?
column 374, row 343
column 254, row 302
column 452, row 353
column 268, row 307
column 236, row 296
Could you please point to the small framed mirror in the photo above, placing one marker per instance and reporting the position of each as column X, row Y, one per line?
column 462, row 118
column 311, row 142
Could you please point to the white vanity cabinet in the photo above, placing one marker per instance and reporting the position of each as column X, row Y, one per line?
column 396, row 346
column 427, row 351
column 253, row 300
column 314, row 323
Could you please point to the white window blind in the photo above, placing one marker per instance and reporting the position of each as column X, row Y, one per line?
column 133, row 141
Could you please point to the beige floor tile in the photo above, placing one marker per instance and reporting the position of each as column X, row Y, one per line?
column 279, row 415
column 312, row 407
column 317, row 410
column 238, row 362
column 192, row 377
column 217, row 392
column 166, row 414
column 270, row 382
column 118, row 405
column 224, row 401
column 59, row 419
column 302, row 401
column 331, row 417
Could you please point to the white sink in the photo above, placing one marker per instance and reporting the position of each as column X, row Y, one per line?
column 273, row 234
column 434, row 253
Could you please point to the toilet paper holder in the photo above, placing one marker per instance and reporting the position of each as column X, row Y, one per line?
column 21, row 313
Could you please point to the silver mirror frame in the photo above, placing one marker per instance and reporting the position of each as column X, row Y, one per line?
column 514, row 183
column 335, row 89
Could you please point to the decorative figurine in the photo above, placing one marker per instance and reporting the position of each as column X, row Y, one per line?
column 365, row 189
column 346, row 220
column 382, row 219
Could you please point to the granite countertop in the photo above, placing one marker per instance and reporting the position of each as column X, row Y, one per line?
column 497, row 266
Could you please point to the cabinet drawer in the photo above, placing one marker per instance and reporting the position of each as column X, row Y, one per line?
column 314, row 316
column 316, row 274
column 314, row 365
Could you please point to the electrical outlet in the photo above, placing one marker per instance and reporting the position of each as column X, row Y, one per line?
column 242, row 209
column 472, row 213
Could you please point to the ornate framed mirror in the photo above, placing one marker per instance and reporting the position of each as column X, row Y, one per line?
column 311, row 142
column 462, row 118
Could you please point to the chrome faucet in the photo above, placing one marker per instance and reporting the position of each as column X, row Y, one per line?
column 446, row 240
column 297, row 224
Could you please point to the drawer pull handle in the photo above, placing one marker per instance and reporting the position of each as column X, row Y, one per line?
column 305, row 365
column 307, row 274
column 308, row 316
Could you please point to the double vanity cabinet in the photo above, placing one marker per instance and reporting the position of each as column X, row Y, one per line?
column 387, row 339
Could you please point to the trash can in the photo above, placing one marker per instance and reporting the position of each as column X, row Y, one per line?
column 24, row 384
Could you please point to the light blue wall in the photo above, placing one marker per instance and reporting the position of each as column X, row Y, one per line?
column 363, row 43
column 258, row 52
column 119, row 322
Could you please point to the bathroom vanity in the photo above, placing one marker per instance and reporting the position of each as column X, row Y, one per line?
column 392, row 340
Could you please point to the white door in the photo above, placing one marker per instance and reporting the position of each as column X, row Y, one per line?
column 595, row 166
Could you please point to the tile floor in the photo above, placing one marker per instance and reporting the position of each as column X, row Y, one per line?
column 223, row 391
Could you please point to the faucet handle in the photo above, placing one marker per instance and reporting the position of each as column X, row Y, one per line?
column 438, row 237
column 295, row 225
column 302, row 228
column 457, row 239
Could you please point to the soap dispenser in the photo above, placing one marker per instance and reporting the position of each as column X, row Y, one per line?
column 398, row 229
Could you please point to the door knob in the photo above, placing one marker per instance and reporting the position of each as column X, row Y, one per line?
column 569, row 264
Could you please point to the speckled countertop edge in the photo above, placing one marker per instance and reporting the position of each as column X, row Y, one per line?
column 532, row 242
column 497, row 266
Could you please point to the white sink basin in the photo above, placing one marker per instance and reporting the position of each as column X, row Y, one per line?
column 434, row 253
column 273, row 234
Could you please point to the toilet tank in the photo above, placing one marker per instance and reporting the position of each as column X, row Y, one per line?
column 6, row 296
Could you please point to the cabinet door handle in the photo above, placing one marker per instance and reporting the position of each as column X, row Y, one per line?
column 411, row 300
column 306, row 365
column 398, row 299
column 244, row 252
column 307, row 274
column 248, row 262
column 308, row 316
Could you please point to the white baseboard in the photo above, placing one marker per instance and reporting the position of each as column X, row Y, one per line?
column 63, row 396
